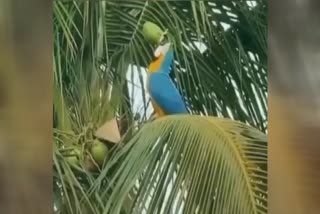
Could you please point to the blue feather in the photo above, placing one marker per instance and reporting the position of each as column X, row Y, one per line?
column 163, row 91
column 165, row 66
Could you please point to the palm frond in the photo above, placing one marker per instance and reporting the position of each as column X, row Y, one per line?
column 190, row 164
column 97, row 43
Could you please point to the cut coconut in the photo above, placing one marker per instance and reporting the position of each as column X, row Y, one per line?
column 109, row 131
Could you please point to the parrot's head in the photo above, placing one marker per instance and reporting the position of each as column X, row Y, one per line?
column 163, row 56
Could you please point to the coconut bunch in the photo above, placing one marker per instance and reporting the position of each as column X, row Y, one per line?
column 92, row 157
column 95, row 151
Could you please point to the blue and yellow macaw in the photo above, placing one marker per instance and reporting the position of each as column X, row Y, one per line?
column 165, row 97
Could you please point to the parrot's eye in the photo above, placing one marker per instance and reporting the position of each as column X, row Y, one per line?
column 154, row 59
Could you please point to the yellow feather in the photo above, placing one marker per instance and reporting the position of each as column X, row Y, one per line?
column 158, row 110
column 155, row 65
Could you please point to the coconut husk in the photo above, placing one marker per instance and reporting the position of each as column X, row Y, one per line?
column 109, row 131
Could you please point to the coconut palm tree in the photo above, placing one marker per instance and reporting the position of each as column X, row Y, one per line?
column 211, row 161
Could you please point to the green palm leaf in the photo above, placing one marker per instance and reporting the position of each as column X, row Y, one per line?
column 190, row 164
column 97, row 43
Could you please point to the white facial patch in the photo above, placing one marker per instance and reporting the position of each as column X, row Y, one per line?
column 162, row 49
column 158, row 51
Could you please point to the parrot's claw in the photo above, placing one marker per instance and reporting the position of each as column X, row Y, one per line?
column 163, row 38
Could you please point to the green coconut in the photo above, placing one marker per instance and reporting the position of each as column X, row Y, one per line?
column 99, row 152
column 74, row 156
column 153, row 33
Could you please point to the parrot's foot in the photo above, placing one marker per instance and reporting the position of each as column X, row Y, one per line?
column 163, row 38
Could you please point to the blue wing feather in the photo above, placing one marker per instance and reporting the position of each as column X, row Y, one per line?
column 168, row 58
column 163, row 91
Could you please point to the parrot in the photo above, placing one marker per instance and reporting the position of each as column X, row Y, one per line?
column 165, row 97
